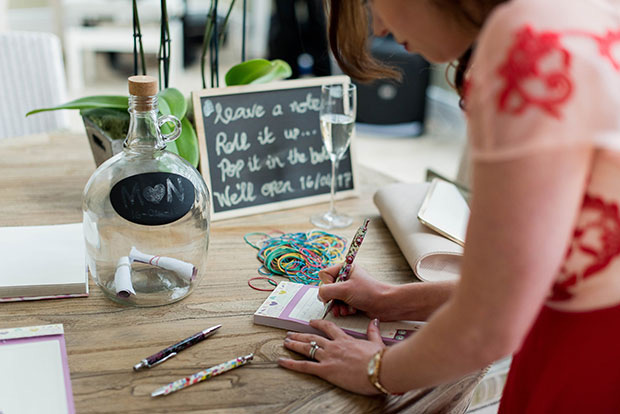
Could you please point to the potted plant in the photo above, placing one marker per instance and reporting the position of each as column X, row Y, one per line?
column 106, row 118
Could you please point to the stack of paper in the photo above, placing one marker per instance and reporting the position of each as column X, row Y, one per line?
column 292, row 306
column 42, row 262
column 34, row 373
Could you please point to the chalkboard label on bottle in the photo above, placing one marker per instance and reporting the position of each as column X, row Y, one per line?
column 261, row 147
column 153, row 199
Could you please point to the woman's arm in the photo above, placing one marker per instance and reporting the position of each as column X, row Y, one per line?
column 523, row 213
column 416, row 301
column 387, row 302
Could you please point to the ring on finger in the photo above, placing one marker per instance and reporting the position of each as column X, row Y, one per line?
column 313, row 347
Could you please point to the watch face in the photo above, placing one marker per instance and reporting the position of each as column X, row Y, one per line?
column 372, row 366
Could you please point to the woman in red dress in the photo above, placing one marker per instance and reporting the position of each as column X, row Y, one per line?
column 540, row 82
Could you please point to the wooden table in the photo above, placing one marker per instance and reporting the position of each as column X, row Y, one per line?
column 41, row 181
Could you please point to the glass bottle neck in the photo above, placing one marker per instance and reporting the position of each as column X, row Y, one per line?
column 143, row 128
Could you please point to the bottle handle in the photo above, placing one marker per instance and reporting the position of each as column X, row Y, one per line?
column 176, row 132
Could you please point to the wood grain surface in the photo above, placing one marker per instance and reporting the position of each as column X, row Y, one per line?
column 41, row 182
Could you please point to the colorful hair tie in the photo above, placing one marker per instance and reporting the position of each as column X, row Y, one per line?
column 297, row 256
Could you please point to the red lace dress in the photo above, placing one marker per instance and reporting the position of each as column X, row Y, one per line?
column 546, row 75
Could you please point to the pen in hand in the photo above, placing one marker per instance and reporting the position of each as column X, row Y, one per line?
column 345, row 270
column 172, row 350
column 202, row 375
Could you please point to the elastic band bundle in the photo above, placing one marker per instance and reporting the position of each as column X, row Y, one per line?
column 298, row 256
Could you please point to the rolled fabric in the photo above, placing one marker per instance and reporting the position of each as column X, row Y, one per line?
column 122, row 278
column 186, row 270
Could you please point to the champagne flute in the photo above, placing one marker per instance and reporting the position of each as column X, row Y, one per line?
column 338, row 106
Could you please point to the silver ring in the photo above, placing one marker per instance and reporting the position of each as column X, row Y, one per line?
column 313, row 347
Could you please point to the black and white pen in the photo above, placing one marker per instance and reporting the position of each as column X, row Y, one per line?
column 172, row 350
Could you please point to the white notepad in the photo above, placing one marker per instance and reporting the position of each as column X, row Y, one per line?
column 291, row 306
column 34, row 373
column 40, row 262
column 445, row 210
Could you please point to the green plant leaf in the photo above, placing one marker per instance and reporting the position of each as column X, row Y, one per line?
column 172, row 102
column 88, row 102
column 257, row 71
column 186, row 145
column 164, row 108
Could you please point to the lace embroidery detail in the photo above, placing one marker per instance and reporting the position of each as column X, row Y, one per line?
column 606, row 44
column 537, row 70
column 536, row 73
column 596, row 241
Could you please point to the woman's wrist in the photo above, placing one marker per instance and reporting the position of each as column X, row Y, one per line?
column 374, row 372
column 417, row 300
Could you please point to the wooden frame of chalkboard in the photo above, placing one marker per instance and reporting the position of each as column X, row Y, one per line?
column 261, row 147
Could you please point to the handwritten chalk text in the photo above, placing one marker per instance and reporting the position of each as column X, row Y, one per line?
column 228, row 114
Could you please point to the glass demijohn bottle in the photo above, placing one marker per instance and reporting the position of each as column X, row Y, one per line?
column 146, row 212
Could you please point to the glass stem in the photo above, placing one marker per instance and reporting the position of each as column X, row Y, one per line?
column 332, row 208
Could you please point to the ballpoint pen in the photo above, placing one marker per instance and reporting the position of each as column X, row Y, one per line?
column 345, row 270
column 172, row 350
column 202, row 375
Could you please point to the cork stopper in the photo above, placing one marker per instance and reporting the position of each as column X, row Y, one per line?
column 142, row 85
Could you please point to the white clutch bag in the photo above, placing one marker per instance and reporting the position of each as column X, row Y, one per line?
column 432, row 256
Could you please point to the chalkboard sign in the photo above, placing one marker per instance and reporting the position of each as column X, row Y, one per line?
column 261, row 147
column 153, row 198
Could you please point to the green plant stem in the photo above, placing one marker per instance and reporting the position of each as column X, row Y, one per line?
column 243, row 31
column 206, row 41
column 215, row 50
column 137, row 40
column 225, row 23
column 212, row 60
column 164, row 48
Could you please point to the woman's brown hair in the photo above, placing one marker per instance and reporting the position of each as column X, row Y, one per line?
column 348, row 37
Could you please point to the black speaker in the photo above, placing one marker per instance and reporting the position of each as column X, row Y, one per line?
column 390, row 103
column 298, row 29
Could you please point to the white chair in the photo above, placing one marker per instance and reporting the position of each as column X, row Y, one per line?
column 80, row 40
column 3, row 13
column 32, row 76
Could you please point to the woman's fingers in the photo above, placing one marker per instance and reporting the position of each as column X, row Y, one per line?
column 304, row 337
column 304, row 348
column 328, row 275
column 304, row 366
column 333, row 291
column 373, row 332
column 330, row 328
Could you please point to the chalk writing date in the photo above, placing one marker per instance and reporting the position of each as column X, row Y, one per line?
column 318, row 181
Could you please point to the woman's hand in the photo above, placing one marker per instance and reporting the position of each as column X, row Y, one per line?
column 341, row 359
column 411, row 301
column 359, row 292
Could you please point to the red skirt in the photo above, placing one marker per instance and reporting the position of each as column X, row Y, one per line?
column 569, row 363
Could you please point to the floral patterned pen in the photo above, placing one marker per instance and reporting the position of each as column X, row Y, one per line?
column 345, row 270
column 202, row 375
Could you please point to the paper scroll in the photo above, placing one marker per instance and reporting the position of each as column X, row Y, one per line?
column 122, row 278
column 184, row 269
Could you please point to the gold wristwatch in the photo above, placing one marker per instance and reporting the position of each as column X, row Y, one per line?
column 373, row 371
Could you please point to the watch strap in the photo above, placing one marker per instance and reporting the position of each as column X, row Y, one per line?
column 374, row 366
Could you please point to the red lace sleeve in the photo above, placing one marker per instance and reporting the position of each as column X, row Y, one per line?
column 535, row 88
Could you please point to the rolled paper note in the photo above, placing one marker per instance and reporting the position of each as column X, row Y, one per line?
column 186, row 270
column 122, row 278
